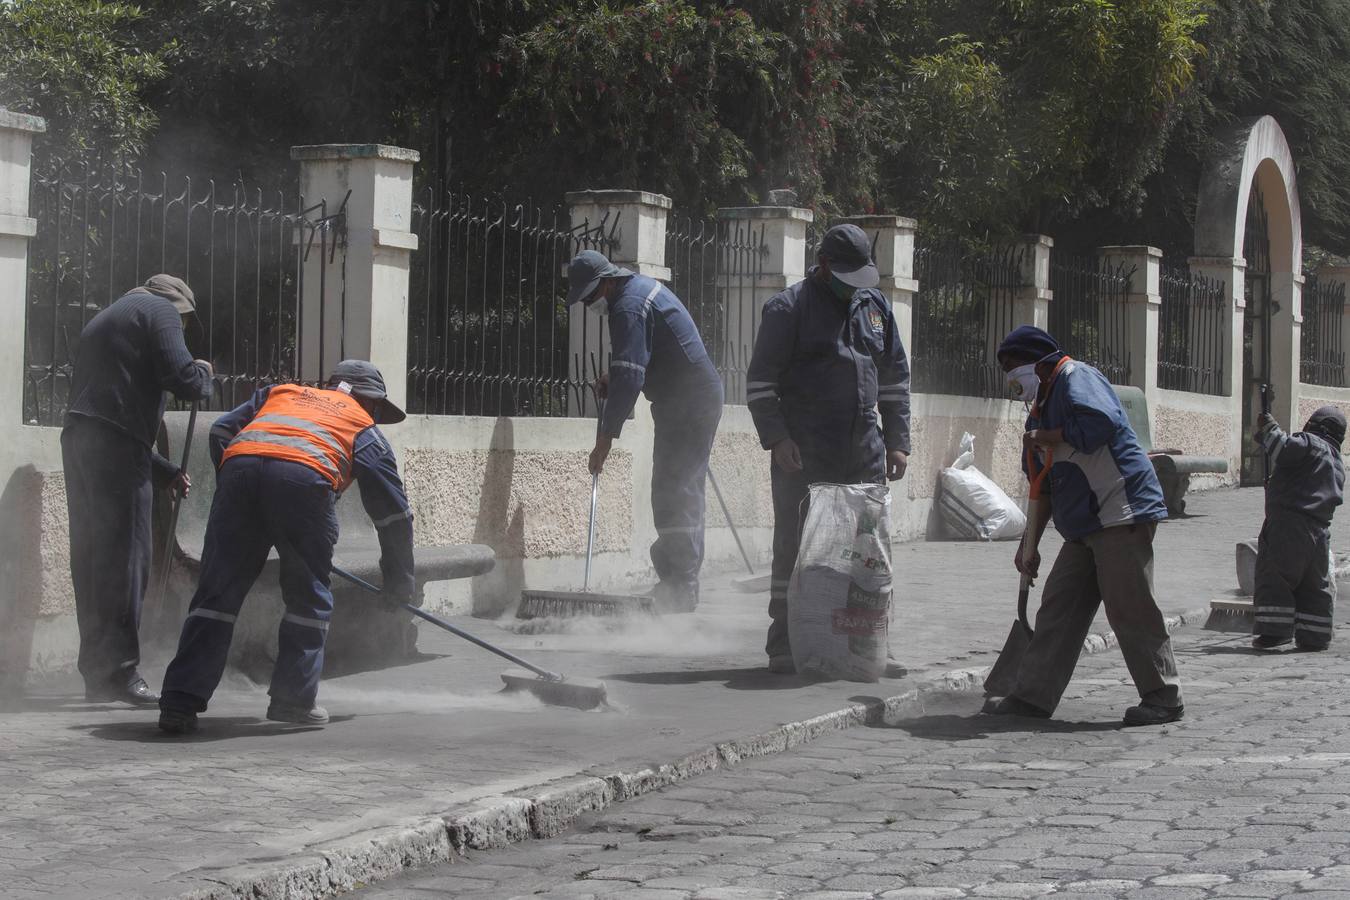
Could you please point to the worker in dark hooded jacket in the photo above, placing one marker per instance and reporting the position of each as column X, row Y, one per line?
column 828, row 357
column 1294, row 589
column 128, row 356
column 655, row 349
column 282, row 460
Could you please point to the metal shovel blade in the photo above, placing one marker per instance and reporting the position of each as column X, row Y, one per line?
column 1002, row 678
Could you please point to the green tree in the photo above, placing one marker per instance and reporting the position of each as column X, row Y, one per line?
column 76, row 64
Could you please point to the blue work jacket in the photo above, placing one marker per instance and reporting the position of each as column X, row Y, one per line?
column 1100, row 475
column 1307, row 476
column 655, row 349
column 822, row 368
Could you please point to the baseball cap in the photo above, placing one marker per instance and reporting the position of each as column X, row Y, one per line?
column 366, row 381
column 850, row 255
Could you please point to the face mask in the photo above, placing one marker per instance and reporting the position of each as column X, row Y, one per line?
column 841, row 290
column 1023, row 383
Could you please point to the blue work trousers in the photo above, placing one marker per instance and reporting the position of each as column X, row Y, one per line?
column 260, row 503
column 861, row 462
column 684, row 433
column 108, row 496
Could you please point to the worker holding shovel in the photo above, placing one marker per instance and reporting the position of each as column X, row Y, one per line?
column 282, row 459
column 656, row 350
column 1106, row 502
column 127, row 357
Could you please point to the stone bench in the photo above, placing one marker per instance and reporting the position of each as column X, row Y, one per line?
column 361, row 633
column 1174, row 468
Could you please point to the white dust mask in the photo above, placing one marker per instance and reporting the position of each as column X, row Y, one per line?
column 1023, row 383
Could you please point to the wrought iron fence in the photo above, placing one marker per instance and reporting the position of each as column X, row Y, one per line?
column 714, row 267
column 488, row 320
column 964, row 307
column 1089, row 313
column 1322, row 353
column 1190, row 331
column 104, row 229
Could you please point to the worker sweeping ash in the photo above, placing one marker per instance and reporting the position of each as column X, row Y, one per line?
column 656, row 350
column 282, row 459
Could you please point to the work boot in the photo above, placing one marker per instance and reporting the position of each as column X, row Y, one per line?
column 1308, row 647
column 136, row 692
column 1268, row 642
column 1152, row 714
column 675, row 597
column 278, row 711
column 1012, row 706
column 177, row 721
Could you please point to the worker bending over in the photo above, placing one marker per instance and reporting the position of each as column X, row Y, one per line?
column 282, row 459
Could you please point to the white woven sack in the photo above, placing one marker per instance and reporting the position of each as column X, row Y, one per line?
column 839, row 598
column 972, row 505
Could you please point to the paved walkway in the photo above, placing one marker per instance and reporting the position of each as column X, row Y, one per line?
column 1248, row 796
column 98, row 803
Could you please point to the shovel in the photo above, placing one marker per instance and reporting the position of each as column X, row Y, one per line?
column 1002, row 678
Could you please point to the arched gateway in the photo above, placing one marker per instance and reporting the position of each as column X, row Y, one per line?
column 1247, row 221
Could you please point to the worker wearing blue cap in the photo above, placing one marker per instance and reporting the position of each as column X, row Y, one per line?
column 1106, row 502
column 828, row 388
column 656, row 350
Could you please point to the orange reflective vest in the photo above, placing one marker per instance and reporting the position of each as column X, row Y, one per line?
column 311, row 426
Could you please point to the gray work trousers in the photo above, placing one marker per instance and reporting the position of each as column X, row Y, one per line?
column 1295, row 593
column 1111, row 567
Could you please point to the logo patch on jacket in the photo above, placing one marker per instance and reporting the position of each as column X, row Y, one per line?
column 876, row 321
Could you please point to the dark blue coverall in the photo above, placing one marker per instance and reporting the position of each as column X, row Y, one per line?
column 820, row 371
column 261, row 503
column 1295, row 590
column 656, row 350
column 128, row 356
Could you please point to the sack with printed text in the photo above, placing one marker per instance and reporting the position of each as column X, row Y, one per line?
column 972, row 506
column 839, row 598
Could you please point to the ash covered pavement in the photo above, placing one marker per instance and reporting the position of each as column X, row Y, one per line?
column 100, row 804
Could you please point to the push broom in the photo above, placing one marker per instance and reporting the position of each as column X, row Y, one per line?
column 537, row 604
column 550, row 687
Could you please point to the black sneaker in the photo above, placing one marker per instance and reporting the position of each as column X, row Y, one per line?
column 1152, row 714
column 298, row 715
column 1268, row 642
column 174, row 721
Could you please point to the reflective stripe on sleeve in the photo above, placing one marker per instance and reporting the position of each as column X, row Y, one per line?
column 624, row 364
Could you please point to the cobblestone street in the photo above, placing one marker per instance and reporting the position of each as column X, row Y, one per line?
column 1249, row 796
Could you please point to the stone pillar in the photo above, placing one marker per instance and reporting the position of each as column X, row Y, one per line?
column 636, row 220
column 1232, row 273
column 782, row 232
column 16, row 228
column 1143, row 303
column 371, row 320
column 893, row 240
column 1031, row 306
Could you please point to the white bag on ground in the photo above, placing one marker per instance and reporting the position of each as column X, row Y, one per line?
column 839, row 598
column 973, row 507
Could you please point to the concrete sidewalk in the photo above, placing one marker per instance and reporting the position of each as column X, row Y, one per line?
column 419, row 757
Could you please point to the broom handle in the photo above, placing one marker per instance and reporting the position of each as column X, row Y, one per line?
column 162, row 582
column 595, row 490
column 457, row 632
column 730, row 524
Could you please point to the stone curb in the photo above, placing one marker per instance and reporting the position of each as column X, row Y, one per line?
column 549, row 809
